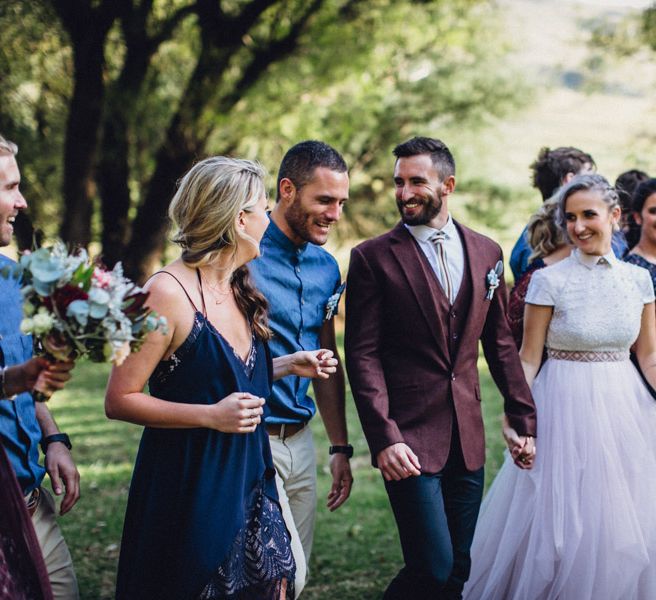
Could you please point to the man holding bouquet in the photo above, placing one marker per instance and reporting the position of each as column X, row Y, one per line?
column 24, row 425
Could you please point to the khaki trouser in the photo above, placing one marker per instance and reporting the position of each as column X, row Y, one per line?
column 296, row 466
column 59, row 563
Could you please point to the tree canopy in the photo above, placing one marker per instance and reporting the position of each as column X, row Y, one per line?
column 112, row 100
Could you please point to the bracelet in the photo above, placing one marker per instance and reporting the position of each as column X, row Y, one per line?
column 55, row 437
column 3, row 393
column 348, row 450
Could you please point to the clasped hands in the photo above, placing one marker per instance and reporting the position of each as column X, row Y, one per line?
column 521, row 447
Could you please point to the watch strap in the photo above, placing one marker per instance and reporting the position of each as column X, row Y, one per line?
column 348, row 450
column 56, row 437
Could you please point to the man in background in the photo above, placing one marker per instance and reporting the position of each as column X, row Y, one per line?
column 551, row 170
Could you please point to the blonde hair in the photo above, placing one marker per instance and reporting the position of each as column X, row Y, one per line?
column 206, row 205
column 205, row 208
column 544, row 233
column 7, row 147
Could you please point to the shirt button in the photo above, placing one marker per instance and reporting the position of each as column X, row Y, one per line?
column 302, row 301
column 453, row 376
column 453, row 314
column 298, row 269
column 455, row 336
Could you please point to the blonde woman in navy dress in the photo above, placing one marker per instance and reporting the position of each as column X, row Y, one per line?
column 202, row 519
column 581, row 524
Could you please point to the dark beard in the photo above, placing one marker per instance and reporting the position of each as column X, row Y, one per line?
column 430, row 208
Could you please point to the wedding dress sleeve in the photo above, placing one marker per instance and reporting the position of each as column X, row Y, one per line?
column 540, row 289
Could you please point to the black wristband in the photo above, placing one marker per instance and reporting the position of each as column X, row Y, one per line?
column 348, row 450
column 55, row 437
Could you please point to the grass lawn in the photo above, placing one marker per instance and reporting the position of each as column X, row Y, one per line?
column 356, row 548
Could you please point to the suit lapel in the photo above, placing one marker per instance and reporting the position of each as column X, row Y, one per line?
column 476, row 271
column 411, row 261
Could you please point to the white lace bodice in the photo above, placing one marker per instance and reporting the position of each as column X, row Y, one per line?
column 597, row 307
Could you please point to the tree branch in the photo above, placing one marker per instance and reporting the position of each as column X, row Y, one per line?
column 168, row 27
column 273, row 52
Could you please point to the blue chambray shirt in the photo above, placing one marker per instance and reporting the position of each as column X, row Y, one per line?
column 19, row 430
column 297, row 283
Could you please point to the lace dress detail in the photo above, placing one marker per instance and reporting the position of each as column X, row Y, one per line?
column 166, row 367
column 260, row 558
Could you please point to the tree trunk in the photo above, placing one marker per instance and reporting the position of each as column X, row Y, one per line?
column 82, row 140
column 151, row 224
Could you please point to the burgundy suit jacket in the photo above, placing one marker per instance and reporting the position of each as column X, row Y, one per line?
column 407, row 375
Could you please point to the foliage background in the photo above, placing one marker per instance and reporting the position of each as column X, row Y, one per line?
column 495, row 80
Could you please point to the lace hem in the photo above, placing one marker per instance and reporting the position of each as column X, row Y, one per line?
column 260, row 564
column 588, row 356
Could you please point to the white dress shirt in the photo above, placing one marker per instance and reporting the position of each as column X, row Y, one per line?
column 455, row 254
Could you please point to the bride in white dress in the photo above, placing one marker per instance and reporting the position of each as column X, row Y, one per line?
column 581, row 525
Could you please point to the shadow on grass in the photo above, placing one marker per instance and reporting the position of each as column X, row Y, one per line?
column 356, row 549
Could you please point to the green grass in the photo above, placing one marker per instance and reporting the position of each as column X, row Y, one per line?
column 356, row 549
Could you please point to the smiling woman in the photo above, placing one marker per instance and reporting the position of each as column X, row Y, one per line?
column 555, row 531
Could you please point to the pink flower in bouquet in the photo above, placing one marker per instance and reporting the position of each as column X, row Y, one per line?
column 102, row 278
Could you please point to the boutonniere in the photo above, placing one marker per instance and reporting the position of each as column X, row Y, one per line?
column 493, row 279
column 333, row 301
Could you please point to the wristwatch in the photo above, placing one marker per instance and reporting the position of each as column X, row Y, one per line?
column 55, row 437
column 348, row 450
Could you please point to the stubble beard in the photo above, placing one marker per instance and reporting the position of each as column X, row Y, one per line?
column 297, row 220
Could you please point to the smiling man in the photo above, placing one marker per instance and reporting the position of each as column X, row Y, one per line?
column 24, row 424
column 419, row 299
column 302, row 284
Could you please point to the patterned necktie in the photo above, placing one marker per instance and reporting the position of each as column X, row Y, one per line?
column 437, row 239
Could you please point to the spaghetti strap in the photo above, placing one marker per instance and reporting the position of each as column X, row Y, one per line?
column 183, row 289
column 202, row 295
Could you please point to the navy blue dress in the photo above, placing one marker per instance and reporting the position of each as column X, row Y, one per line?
column 203, row 519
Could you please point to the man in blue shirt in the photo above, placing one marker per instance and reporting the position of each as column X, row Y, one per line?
column 302, row 284
column 551, row 170
column 23, row 424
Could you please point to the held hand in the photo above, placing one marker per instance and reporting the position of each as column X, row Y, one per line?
column 314, row 363
column 522, row 448
column 239, row 412
column 398, row 462
column 526, row 457
column 340, row 468
column 62, row 470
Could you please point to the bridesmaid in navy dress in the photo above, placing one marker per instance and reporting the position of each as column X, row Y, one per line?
column 203, row 519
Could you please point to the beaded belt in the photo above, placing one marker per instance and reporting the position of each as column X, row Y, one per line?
column 588, row 356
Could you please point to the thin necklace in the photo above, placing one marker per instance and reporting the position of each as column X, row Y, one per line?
column 219, row 296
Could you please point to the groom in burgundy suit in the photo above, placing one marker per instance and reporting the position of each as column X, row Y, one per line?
column 419, row 298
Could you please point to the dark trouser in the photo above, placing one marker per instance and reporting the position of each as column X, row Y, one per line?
column 436, row 516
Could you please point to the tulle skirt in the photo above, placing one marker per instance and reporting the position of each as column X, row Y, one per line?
column 582, row 524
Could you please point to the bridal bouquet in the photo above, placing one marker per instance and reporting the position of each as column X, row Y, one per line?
column 75, row 308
